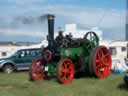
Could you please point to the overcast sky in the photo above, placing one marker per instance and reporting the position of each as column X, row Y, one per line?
column 20, row 19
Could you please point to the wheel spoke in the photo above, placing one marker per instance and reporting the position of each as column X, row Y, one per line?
column 97, row 61
column 64, row 77
column 68, row 65
column 63, row 71
column 98, row 67
column 94, row 38
column 65, row 65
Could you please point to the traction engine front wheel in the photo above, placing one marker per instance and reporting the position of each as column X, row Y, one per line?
column 35, row 70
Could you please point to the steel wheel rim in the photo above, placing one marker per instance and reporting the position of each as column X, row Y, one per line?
column 36, row 70
column 66, row 71
column 102, row 62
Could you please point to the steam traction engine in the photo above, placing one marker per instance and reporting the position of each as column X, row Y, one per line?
column 66, row 56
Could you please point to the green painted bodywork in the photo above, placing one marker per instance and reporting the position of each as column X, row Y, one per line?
column 51, row 69
column 72, row 53
column 75, row 53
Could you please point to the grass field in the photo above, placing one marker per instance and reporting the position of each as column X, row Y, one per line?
column 17, row 84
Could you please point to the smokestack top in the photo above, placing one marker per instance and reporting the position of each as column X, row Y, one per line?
column 50, row 16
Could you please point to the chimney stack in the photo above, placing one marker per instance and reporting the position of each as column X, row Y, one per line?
column 50, row 36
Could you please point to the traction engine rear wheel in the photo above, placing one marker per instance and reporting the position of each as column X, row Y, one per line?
column 65, row 71
column 100, row 62
column 35, row 70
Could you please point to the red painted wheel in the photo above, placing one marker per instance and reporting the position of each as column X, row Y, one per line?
column 35, row 70
column 65, row 71
column 47, row 55
column 100, row 62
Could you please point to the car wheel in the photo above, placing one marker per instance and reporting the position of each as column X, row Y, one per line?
column 8, row 68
